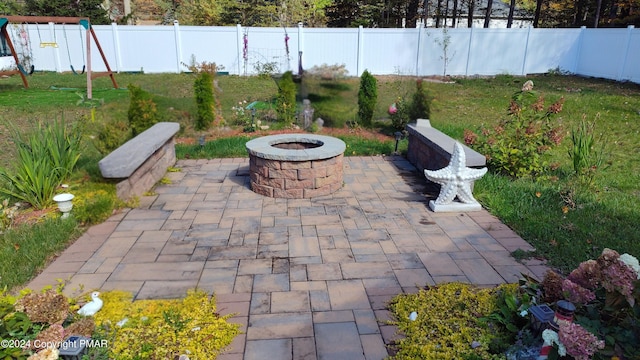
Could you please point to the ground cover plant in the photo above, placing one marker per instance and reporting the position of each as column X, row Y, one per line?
column 464, row 322
column 36, row 322
column 564, row 220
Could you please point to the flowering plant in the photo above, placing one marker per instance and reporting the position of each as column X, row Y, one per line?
column 606, row 293
column 516, row 146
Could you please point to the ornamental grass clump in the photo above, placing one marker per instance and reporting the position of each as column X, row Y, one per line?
column 447, row 324
column 46, row 156
column 163, row 329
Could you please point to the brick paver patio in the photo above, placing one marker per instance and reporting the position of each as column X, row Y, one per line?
column 306, row 278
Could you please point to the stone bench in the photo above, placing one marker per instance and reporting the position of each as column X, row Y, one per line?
column 142, row 161
column 431, row 149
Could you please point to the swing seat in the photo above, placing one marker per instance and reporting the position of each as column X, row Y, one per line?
column 48, row 44
column 75, row 72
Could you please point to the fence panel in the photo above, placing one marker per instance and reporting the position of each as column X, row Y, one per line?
column 213, row 45
column 550, row 49
column 631, row 70
column 331, row 46
column 601, row 52
column 606, row 53
column 497, row 51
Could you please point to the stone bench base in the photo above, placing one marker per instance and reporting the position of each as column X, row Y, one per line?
column 431, row 149
column 142, row 161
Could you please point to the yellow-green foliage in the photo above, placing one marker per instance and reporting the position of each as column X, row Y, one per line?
column 94, row 203
column 164, row 329
column 447, row 322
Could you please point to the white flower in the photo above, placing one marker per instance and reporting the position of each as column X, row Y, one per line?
column 550, row 337
column 122, row 322
column 528, row 86
column 562, row 351
column 631, row 262
column 524, row 313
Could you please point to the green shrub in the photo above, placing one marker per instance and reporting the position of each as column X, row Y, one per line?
column 45, row 158
column 420, row 107
column 203, row 89
column 286, row 100
column 143, row 112
column 519, row 145
column 400, row 116
column 367, row 98
column 111, row 135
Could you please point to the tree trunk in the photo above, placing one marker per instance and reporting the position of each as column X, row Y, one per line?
column 446, row 13
column 577, row 19
column 487, row 16
column 510, row 17
column 471, row 7
column 425, row 13
column 595, row 23
column 438, row 12
column 536, row 17
column 455, row 13
column 412, row 13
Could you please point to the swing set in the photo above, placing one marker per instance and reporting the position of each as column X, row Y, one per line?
column 24, row 71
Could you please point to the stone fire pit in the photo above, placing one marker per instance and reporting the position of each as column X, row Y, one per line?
column 295, row 166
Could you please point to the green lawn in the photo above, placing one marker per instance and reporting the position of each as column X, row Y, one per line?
column 566, row 223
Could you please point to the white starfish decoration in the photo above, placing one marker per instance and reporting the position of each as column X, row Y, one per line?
column 455, row 179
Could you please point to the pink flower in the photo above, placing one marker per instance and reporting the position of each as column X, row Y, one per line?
column 393, row 109
column 619, row 277
column 580, row 343
column 587, row 274
column 576, row 293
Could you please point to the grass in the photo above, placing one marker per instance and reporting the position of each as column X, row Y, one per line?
column 24, row 250
column 566, row 222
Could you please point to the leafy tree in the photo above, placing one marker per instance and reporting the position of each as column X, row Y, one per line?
column 199, row 12
column 250, row 13
column 349, row 13
column 85, row 8
column 10, row 7
column 309, row 12
column 367, row 98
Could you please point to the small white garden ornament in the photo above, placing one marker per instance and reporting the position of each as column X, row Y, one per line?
column 455, row 180
column 93, row 306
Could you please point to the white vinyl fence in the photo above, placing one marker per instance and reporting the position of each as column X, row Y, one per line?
column 606, row 53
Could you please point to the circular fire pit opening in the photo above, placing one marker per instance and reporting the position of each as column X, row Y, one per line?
column 295, row 166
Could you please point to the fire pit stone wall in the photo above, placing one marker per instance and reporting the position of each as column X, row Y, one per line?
column 296, row 166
